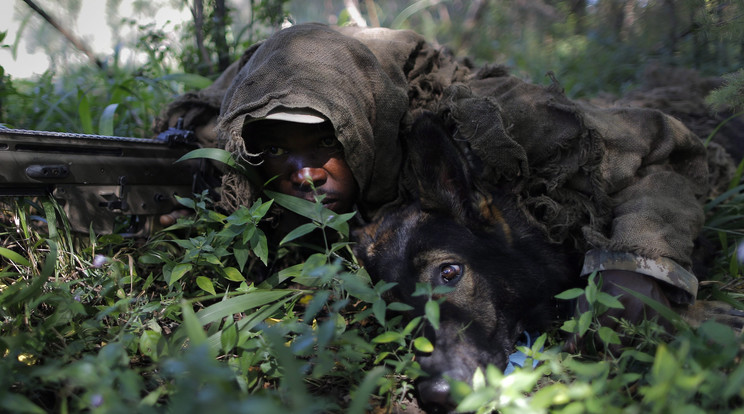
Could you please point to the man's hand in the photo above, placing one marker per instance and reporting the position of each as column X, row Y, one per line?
column 171, row 218
column 635, row 310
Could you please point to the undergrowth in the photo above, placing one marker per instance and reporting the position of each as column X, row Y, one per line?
column 176, row 323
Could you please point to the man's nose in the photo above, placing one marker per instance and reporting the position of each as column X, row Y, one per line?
column 305, row 176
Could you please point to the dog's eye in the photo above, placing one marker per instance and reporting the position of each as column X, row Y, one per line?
column 450, row 272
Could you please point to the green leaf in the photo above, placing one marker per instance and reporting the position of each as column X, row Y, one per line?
column 725, row 196
column 250, row 321
column 14, row 257
column 339, row 222
column 86, row 121
column 608, row 336
column 50, row 261
column 215, row 154
column 194, row 328
column 493, row 374
column 260, row 246
column 229, row 337
column 588, row 370
column 660, row 308
column 639, row 356
column 382, row 286
column 298, row 232
column 479, row 379
column 259, row 210
column 411, row 325
column 316, row 304
column 381, row 357
column 591, row 293
column 735, row 382
column 297, row 205
column 106, row 123
column 570, row 294
column 423, row 344
column 585, row 321
column 378, row 309
column 205, row 284
column 609, row 301
column 312, row 211
column 360, row 397
column 233, row 274
column 17, row 403
column 51, row 216
column 422, row 289
column 399, row 307
column 148, row 344
column 358, row 286
column 665, row 364
column 387, row 337
column 241, row 254
column 431, row 310
column 476, row 400
column 178, row 272
column 718, row 333
column 459, row 390
column 239, row 304
column 186, row 202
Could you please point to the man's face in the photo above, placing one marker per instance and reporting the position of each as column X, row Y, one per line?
column 300, row 154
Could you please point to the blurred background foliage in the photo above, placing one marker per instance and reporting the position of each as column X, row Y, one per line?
column 593, row 46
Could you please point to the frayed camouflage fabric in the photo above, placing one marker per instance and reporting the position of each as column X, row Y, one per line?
column 615, row 179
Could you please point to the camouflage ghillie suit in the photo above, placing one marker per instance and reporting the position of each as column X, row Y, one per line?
column 624, row 185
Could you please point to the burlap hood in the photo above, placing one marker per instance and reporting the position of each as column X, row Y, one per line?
column 618, row 179
column 363, row 95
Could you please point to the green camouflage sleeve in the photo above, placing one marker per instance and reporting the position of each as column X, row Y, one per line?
column 680, row 285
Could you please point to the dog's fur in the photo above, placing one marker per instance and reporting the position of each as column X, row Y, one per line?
column 504, row 273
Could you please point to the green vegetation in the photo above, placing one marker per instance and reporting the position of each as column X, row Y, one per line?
column 183, row 322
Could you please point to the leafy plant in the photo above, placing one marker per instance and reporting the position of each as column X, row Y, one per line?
column 697, row 371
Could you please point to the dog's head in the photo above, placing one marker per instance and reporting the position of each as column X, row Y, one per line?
column 502, row 274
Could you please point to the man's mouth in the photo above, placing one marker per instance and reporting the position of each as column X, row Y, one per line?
column 329, row 202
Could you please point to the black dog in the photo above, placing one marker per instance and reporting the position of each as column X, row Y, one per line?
column 503, row 272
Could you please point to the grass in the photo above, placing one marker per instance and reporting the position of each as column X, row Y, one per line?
column 106, row 324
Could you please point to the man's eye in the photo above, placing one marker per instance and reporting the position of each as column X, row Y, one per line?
column 329, row 142
column 274, row 151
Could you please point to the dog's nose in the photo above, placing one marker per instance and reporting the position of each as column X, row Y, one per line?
column 435, row 395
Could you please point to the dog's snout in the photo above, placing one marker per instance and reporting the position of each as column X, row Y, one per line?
column 435, row 395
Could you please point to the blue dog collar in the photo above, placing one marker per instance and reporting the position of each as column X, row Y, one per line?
column 518, row 358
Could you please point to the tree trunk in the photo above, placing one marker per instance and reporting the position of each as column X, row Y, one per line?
column 578, row 9
column 220, row 35
column 198, row 13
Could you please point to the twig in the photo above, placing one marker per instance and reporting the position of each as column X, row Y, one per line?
column 79, row 45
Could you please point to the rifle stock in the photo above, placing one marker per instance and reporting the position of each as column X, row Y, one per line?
column 100, row 180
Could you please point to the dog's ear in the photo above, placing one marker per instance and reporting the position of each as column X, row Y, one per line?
column 443, row 180
column 438, row 168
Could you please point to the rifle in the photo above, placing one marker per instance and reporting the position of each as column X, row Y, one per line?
column 100, row 180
